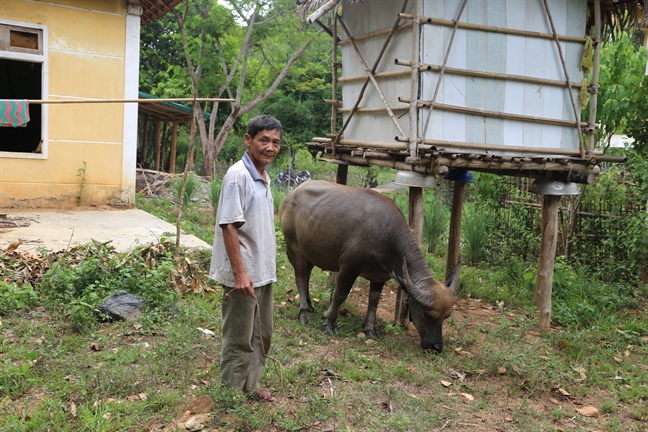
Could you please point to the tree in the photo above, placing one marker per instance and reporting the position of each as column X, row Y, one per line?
column 210, row 58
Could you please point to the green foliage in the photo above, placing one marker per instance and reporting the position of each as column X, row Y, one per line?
column 191, row 187
column 14, row 297
column 435, row 223
column 475, row 228
column 79, row 285
column 579, row 300
column 621, row 104
column 214, row 192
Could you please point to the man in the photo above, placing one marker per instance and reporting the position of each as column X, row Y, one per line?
column 244, row 259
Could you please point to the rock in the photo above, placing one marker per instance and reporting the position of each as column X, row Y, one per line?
column 588, row 411
column 201, row 405
column 198, row 422
column 121, row 306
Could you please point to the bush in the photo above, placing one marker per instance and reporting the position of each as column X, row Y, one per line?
column 214, row 192
column 190, row 189
column 475, row 232
column 15, row 297
column 435, row 224
column 77, row 281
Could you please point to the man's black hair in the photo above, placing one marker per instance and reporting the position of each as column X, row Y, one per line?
column 263, row 122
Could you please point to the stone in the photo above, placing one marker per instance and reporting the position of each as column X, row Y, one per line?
column 121, row 306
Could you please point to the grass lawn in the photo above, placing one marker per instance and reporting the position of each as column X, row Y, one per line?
column 62, row 369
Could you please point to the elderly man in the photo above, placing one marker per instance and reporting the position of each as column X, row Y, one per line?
column 244, row 259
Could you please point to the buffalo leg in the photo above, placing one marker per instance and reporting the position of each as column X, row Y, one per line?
column 370, row 327
column 345, row 281
column 303, row 269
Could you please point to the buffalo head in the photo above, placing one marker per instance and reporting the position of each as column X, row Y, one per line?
column 430, row 305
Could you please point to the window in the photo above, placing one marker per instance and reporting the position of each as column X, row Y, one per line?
column 21, row 77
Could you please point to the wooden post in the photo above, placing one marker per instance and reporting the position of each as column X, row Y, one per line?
column 415, row 211
column 156, row 139
column 145, row 134
column 542, row 300
column 454, row 237
column 340, row 178
column 172, row 154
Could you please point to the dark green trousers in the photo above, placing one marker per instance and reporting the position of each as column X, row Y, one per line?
column 243, row 355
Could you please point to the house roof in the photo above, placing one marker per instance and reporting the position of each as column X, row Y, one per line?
column 166, row 111
column 154, row 9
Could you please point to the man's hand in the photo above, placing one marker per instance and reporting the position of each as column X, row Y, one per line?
column 244, row 285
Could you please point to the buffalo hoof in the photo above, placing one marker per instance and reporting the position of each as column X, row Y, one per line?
column 374, row 334
column 304, row 316
column 329, row 328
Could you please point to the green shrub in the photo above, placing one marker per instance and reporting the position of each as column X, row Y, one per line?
column 435, row 224
column 190, row 189
column 475, row 233
column 15, row 297
column 78, row 282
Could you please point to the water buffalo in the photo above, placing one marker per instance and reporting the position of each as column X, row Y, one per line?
column 359, row 232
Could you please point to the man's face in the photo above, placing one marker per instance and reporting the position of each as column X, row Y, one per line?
column 264, row 147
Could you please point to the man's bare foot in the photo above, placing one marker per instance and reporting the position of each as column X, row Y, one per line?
column 264, row 396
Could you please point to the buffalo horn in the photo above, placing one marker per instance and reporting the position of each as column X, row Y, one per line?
column 422, row 296
column 453, row 281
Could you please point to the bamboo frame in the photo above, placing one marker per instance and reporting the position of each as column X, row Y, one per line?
column 370, row 73
column 373, row 109
column 373, row 70
column 493, row 29
column 502, row 147
column 567, row 80
column 414, row 88
column 443, row 67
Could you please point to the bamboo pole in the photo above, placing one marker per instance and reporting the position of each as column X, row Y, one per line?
column 375, row 33
column 542, row 297
column 334, row 77
column 495, row 75
column 374, row 109
column 497, row 114
column 373, row 70
column 401, row 166
column 448, row 145
column 414, row 89
column 77, row 101
column 322, row 10
column 595, row 75
column 567, row 80
column 493, row 29
column 389, row 74
column 370, row 73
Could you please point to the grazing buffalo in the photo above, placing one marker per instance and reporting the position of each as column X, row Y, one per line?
column 359, row 232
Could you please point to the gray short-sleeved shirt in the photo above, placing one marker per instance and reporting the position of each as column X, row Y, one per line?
column 246, row 197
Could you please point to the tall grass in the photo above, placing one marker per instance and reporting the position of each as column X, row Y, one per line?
column 190, row 188
column 475, row 227
column 435, row 224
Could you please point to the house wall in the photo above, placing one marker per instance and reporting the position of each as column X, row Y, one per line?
column 89, row 48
